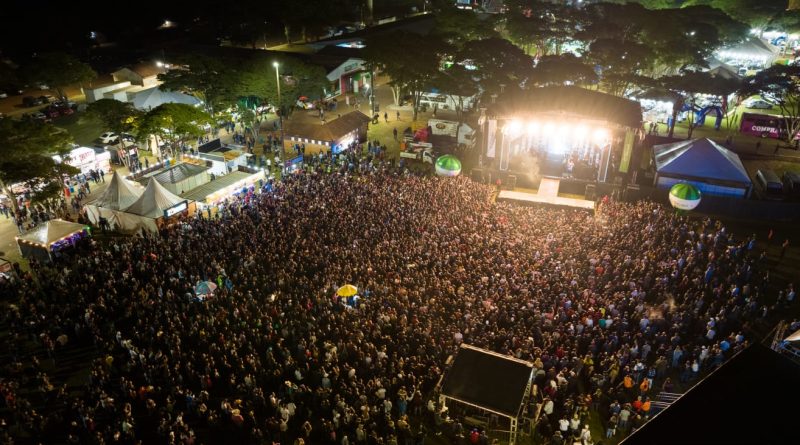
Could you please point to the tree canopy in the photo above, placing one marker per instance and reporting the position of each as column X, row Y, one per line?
column 58, row 70
column 174, row 124
column 212, row 79
column 26, row 154
column 782, row 83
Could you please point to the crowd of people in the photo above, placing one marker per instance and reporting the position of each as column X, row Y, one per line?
column 608, row 307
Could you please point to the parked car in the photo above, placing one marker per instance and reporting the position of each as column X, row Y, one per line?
column 51, row 113
column 757, row 104
column 30, row 101
column 3, row 94
column 768, row 185
column 791, row 184
column 109, row 138
column 39, row 116
column 47, row 98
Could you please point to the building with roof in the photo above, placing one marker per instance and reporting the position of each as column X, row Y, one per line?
column 179, row 178
column 221, row 158
column 710, row 167
column 331, row 136
column 143, row 74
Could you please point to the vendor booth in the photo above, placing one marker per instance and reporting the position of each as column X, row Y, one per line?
column 710, row 167
column 46, row 241
column 224, row 187
column 86, row 159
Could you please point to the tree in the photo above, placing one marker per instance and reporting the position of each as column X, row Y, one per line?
column 565, row 69
column 500, row 64
column 26, row 154
column 783, row 84
column 757, row 13
column 211, row 79
column 543, row 25
column 116, row 116
column 58, row 70
column 458, row 26
column 174, row 124
column 297, row 79
column 410, row 60
column 685, row 87
column 459, row 84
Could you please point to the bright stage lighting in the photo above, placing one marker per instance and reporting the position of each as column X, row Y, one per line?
column 533, row 127
column 513, row 128
column 600, row 136
column 581, row 131
column 549, row 127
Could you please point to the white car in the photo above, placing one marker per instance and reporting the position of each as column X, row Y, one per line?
column 108, row 137
column 757, row 104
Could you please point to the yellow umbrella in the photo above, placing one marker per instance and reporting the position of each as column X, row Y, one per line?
column 348, row 290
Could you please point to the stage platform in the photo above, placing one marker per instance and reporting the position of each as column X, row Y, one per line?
column 547, row 195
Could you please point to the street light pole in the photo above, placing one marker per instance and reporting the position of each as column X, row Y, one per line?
column 280, row 118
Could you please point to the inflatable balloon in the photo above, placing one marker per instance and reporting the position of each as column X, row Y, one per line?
column 684, row 196
column 448, row 165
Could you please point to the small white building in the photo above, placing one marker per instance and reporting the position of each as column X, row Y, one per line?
column 142, row 74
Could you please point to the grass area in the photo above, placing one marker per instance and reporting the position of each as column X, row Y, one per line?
column 85, row 130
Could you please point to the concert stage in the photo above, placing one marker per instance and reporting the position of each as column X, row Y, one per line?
column 547, row 195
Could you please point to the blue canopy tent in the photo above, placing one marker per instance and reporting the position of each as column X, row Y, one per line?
column 710, row 167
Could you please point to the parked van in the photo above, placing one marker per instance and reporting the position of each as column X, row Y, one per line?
column 791, row 184
column 768, row 185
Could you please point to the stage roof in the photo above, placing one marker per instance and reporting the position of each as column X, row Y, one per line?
column 488, row 380
column 741, row 402
column 570, row 100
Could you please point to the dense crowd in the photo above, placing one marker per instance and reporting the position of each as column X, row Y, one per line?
column 607, row 307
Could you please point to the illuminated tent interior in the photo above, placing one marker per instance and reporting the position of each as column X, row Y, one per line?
column 51, row 237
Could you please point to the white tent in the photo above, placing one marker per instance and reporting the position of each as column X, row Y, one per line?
column 153, row 97
column 128, row 209
column 54, row 234
column 120, row 193
column 153, row 201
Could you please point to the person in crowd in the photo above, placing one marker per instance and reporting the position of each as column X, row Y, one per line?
column 275, row 356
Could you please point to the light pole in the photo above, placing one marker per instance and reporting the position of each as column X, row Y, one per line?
column 280, row 118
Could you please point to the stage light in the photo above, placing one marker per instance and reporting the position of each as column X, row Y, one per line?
column 533, row 127
column 564, row 132
column 549, row 127
column 600, row 136
column 513, row 128
column 581, row 131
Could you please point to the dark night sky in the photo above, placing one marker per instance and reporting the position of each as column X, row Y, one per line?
column 51, row 24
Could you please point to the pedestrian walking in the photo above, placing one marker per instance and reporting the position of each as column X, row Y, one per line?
column 784, row 246
column 394, row 132
column 386, row 117
column 397, row 114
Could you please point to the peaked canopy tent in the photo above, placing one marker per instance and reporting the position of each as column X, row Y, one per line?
column 120, row 194
column 710, row 167
column 153, row 97
column 46, row 240
column 490, row 382
column 149, row 210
